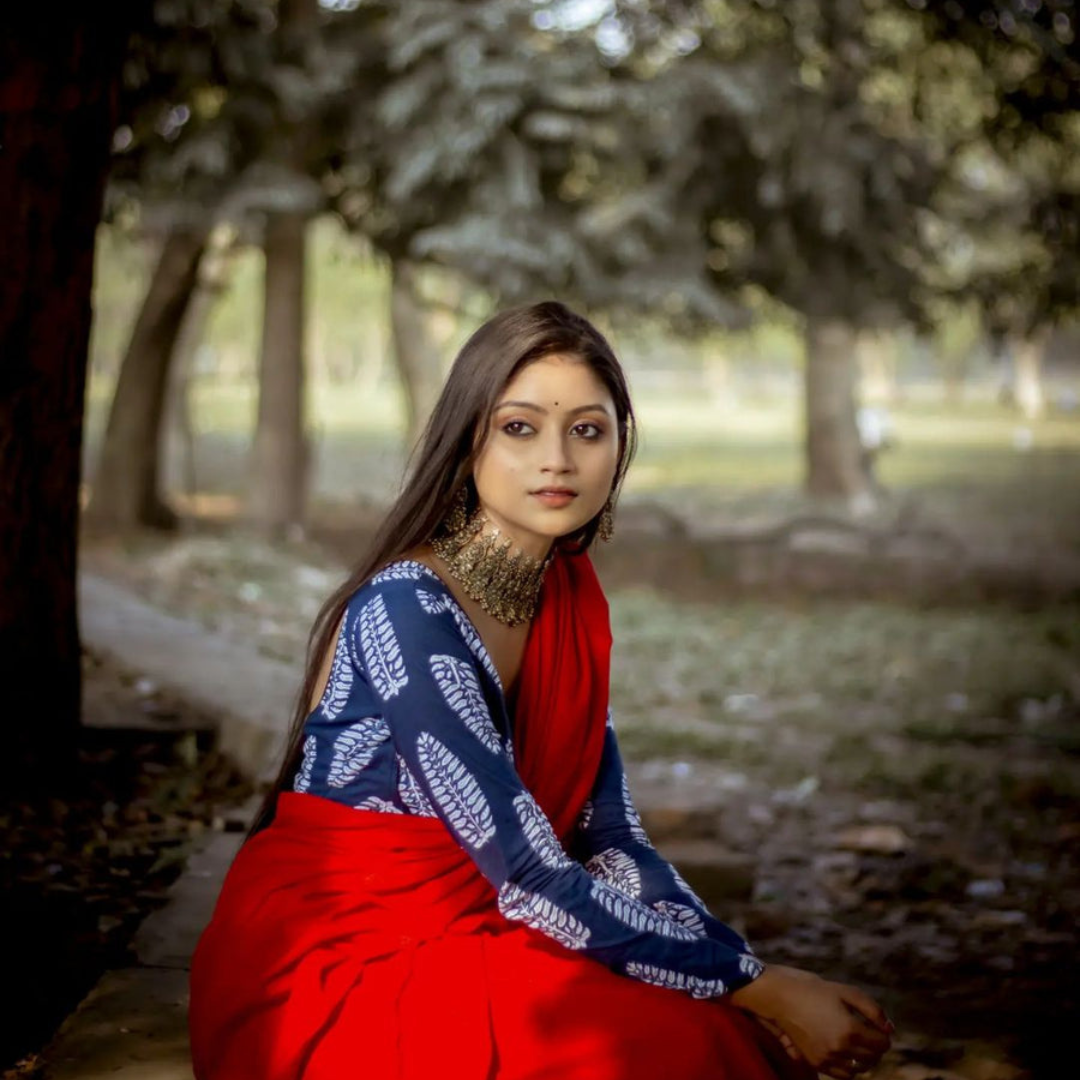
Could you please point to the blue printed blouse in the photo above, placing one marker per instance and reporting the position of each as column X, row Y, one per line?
column 413, row 721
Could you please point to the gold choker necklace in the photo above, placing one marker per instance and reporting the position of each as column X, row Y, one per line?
column 505, row 583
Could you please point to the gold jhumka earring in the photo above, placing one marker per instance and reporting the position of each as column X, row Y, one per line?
column 605, row 529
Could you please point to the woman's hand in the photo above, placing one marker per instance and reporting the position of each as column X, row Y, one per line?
column 837, row 1028
column 780, row 1035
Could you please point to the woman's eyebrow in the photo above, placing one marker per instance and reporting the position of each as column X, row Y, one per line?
column 598, row 407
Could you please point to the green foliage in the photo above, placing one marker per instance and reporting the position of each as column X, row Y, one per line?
column 851, row 158
column 1011, row 209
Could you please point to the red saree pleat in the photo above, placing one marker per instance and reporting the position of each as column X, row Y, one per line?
column 562, row 692
column 350, row 943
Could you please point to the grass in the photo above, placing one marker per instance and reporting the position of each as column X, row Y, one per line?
column 877, row 696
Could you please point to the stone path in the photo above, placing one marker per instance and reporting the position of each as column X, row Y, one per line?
column 133, row 1024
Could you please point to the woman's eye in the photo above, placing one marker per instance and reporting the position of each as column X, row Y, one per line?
column 517, row 427
column 588, row 431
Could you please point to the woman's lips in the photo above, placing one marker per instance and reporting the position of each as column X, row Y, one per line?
column 555, row 497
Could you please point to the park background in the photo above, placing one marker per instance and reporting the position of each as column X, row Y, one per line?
column 836, row 244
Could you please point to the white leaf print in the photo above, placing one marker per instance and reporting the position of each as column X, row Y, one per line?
column 510, row 749
column 340, row 682
column 459, row 687
column 541, row 914
column 382, row 654
column 635, row 914
column 433, row 605
column 609, row 722
column 400, row 571
column 676, row 980
column 633, row 818
column 303, row 777
column 618, row 869
column 411, row 793
column 455, row 789
column 354, row 748
column 586, row 815
column 374, row 802
column 436, row 605
column 539, row 833
column 683, row 915
column 750, row 965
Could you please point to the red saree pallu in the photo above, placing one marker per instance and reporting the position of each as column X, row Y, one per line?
column 357, row 944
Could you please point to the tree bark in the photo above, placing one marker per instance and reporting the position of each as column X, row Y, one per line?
column 58, row 81
column 1002, row 356
column 278, row 487
column 125, row 491
column 178, row 429
column 834, row 461
column 415, row 352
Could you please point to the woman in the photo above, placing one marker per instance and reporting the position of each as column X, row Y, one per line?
column 449, row 878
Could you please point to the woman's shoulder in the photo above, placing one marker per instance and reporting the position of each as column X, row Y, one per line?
column 407, row 597
column 402, row 586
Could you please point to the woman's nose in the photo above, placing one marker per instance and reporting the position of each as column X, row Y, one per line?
column 556, row 454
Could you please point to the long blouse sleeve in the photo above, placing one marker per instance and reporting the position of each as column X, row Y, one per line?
column 437, row 699
column 612, row 842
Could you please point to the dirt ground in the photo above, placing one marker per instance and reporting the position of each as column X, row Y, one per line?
column 88, row 856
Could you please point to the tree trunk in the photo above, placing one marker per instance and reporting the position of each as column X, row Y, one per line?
column 834, row 460
column 278, row 495
column 125, row 489
column 178, row 430
column 1002, row 356
column 417, row 358
column 58, row 80
column 1028, row 354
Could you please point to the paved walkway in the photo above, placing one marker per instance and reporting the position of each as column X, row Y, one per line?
column 133, row 1024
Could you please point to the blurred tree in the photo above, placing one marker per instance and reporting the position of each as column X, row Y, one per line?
column 446, row 164
column 171, row 163
column 125, row 491
column 765, row 135
column 59, row 71
column 496, row 148
column 1012, row 213
column 177, row 440
column 279, row 460
column 230, row 110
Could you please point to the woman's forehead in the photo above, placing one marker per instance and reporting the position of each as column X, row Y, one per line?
column 557, row 381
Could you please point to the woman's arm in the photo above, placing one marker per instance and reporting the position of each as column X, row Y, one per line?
column 614, row 847
column 829, row 1024
column 457, row 766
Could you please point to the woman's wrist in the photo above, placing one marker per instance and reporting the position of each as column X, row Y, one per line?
column 764, row 995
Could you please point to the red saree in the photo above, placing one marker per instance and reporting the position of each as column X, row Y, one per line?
column 351, row 943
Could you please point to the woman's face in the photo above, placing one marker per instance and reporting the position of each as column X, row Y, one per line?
column 549, row 459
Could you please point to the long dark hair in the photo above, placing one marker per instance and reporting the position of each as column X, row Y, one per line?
column 444, row 460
